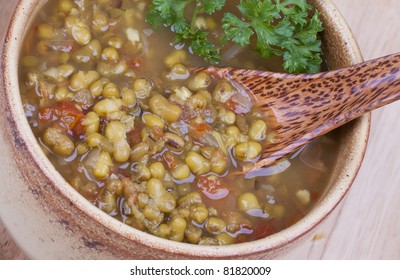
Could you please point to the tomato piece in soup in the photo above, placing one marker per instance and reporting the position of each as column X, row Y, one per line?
column 134, row 136
column 171, row 160
column 66, row 114
column 263, row 229
column 216, row 193
column 213, row 187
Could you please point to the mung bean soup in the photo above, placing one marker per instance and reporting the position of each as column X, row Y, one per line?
column 116, row 108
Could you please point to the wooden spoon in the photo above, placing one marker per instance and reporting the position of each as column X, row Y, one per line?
column 305, row 106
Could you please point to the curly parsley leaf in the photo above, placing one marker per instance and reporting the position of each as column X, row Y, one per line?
column 282, row 28
column 236, row 30
column 279, row 27
column 199, row 43
column 211, row 6
column 303, row 49
column 171, row 13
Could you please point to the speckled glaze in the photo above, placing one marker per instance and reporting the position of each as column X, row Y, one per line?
column 49, row 220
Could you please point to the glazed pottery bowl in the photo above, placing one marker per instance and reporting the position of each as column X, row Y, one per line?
column 49, row 220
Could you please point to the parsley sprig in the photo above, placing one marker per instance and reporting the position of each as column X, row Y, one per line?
column 171, row 13
column 281, row 27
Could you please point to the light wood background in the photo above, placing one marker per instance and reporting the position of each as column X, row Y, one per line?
column 366, row 225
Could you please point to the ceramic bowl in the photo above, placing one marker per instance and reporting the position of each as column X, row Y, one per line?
column 49, row 220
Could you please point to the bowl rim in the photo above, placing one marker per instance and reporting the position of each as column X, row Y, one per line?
column 279, row 240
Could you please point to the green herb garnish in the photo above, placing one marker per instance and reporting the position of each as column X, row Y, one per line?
column 172, row 14
column 283, row 28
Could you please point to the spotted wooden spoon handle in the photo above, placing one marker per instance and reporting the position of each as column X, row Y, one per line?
column 306, row 106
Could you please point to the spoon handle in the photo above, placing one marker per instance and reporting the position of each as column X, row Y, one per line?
column 306, row 106
column 349, row 93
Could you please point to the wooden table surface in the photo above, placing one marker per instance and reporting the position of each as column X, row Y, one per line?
column 366, row 225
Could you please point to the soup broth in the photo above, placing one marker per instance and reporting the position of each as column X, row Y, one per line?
column 117, row 110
